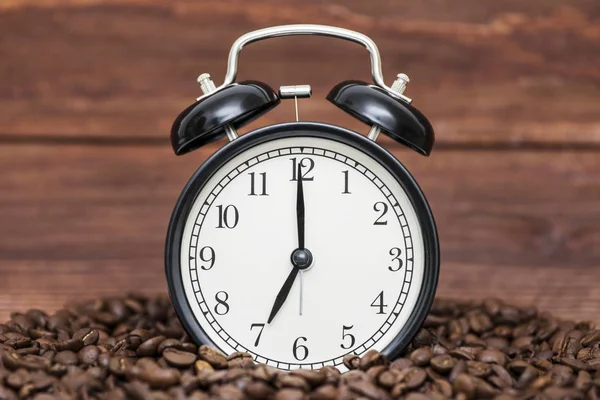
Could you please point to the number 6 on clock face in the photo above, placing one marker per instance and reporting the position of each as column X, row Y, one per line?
column 364, row 278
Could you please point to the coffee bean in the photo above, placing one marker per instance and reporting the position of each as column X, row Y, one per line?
column 212, row 356
column 351, row 361
column 400, row 363
column 149, row 347
column 17, row 379
column 240, row 360
column 66, row 357
column 464, row 384
column 492, row 357
column 325, row 392
column 370, row 359
column 443, row 386
column 160, row 378
column 415, row 377
column 259, row 390
column 290, row 394
column 422, row 356
column 478, row 369
column 169, row 343
column 178, row 358
column 313, row 378
column 443, row 363
column 368, row 390
column 292, row 381
column 89, row 355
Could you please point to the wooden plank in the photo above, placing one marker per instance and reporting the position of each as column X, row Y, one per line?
column 83, row 220
column 485, row 72
column 48, row 285
column 113, row 202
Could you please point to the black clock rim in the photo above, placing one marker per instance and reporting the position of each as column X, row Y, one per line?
column 304, row 129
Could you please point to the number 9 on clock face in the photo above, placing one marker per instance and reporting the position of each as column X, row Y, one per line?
column 300, row 243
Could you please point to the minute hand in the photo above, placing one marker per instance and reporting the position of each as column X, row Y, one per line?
column 289, row 282
column 300, row 208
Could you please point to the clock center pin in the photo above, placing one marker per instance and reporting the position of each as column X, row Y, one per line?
column 302, row 259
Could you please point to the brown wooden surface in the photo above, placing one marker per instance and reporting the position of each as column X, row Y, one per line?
column 88, row 90
column 485, row 71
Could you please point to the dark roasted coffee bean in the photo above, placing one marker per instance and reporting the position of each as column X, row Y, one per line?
column 478, row 369
column 325, row 392
column 465, row 384
column 149, row 347
column 66, row 357
column 169, row 343
column 258, row 390
column 443, row 363
column 89, row 355
column 415, row 377
column 292, row 381
column 370, row 359
column 368, row 390
column 313, row 378
column 492, row 357
column 351, row 361
column 401, row 363
column 422, row 338
column 290, row 394
column 464, row 352
column 212, row 356
column 240, row 360
column 177, row 358
column 421, row 357
column 160, row 378
column 17, row 379
column 137, row 390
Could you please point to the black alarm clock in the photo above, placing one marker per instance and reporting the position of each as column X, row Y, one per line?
column 302, row 242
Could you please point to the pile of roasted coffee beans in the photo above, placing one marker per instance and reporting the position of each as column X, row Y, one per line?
column 135, row 348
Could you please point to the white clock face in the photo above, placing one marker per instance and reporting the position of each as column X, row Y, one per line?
column 360, row 227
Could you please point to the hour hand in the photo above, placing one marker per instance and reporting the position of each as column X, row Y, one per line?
column 283, row 293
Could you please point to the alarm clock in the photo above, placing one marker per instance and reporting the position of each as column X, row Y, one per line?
column 302, row 242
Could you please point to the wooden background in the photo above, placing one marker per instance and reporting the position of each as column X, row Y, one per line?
column 89, row 88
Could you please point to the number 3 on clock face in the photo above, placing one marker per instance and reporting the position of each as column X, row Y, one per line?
column 366, row 224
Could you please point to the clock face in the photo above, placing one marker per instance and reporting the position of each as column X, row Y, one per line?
column 368, row 256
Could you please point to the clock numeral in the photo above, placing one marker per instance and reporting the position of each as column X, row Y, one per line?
column 210, row 258
column 381, row 207
column 396, row 252
column 378, row 302
column 228, row 216
column 221, row 307
column 261, row 326
column 307, row 165
column 263, row 179
column 345, row 182
column 347, row 335
column 302, row 347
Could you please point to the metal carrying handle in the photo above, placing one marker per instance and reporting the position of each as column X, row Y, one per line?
column 309, row 29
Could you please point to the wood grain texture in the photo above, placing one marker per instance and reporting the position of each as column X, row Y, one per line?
column 87, row 220
column 485, row 72
column 48, row 285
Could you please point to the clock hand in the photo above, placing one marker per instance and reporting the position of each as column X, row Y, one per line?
column 300, row 216
column 300, row 208
column 283, row 293
column 289, row 282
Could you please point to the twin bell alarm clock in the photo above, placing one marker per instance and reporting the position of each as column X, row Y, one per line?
column 302, row 242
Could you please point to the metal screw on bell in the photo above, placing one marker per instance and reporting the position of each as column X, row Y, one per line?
column 399, row 86
column 208, row 86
